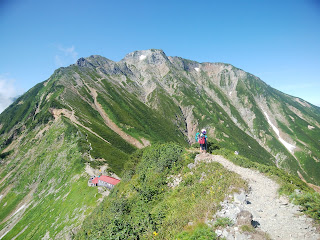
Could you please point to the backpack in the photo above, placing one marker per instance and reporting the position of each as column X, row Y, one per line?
column 197, row 137
column 202, row 139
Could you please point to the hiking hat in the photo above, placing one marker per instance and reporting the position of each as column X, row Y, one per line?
column 203, row 131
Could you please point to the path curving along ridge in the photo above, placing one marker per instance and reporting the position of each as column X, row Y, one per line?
column 278, row 217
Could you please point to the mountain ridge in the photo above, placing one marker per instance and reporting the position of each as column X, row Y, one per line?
column 223, row 83
column 151, row 53
column 99, row 112
column 226, row 81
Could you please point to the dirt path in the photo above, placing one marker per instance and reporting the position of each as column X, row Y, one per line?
column 112, row 125
column 58, row 112
column 314, row 187
column 275, row 215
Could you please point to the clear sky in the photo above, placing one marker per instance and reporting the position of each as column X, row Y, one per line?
column 278, row 41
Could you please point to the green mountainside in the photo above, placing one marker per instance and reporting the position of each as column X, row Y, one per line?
column 166, row 193
column 98, row 112
column 147, row 203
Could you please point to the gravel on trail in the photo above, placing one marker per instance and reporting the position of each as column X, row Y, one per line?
column 272, row 214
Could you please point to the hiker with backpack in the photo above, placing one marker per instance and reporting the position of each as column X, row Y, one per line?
column 201, row 138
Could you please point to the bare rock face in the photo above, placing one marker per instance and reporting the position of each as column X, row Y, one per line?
column 152, row 56
column 82, row 62
column 240, row 198
column 149, row 64
column 191, row 123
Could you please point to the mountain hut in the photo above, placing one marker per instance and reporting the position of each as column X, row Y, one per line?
column 105, row 181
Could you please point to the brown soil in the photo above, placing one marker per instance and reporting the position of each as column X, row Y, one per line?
column 58, row 112
column 314, row 187
column 112, row 125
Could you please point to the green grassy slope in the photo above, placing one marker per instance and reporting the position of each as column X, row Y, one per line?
column 42, row 159
column 143, row 206
column 47, row 177
column 293, row 117
column 123, row 108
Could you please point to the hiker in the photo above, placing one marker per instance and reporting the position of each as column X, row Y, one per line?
column 201, row 138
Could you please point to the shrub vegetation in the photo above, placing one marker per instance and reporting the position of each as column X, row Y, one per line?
column 145, row 205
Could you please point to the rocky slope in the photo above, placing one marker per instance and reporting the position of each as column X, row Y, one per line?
column 98, row 112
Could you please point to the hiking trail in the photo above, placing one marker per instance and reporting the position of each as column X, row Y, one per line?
column 273, row 214
column 114, row 126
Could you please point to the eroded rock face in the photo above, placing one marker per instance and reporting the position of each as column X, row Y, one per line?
column 191, row 123
column 82, row 62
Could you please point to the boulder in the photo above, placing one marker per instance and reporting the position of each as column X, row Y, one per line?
column 244, row 218
column 240, row 198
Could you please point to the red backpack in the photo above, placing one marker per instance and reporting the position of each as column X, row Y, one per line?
column 202, row 140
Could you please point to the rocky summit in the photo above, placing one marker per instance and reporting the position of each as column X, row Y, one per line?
column 97, row 112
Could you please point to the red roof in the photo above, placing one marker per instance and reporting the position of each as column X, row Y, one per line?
column 107, row 179
column 95, row 180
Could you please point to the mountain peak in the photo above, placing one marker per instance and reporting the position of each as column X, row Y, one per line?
column 150, row 56
column 82, row 62
column 93, row 60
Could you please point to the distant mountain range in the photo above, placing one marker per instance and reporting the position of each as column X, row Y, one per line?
column 98, row 112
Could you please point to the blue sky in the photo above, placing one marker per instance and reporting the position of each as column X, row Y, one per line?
column 278, row 41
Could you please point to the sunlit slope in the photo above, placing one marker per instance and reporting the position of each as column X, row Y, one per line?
column 99, row 112
column 43, row 186
column 239, row 110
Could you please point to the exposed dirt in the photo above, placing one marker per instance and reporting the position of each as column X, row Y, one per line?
column 103, row 170
column 14, row 143
column 303, row 103
column 314, row 187
column 38, row 107
column 114, row 126
column 58, row 112
column 20, row 232
column 303, row 116
column 40, row 132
